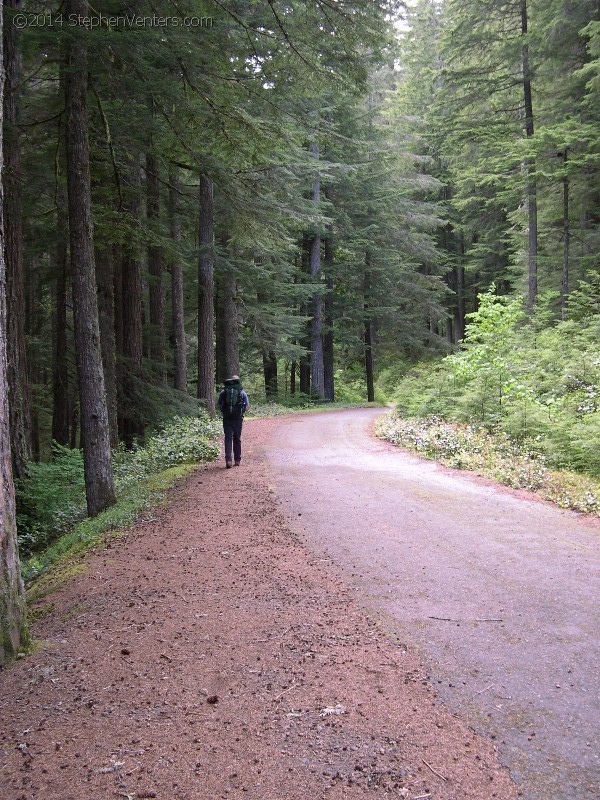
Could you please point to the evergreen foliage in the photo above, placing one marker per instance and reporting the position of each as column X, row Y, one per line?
column 533, row 382
column 455, row 151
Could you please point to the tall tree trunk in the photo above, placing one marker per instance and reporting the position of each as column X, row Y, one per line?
column 316, row 327
column 106, row 312
column 305, row 375
column 18, row 391
column 270, row 373
column 206, row 291
column 220, row 372
column 117, row 254
column 132, row 420
column 228, row 360
column 368, row 335
column 532, row 260
column 33, row 319
column 293, row 367
column 156, row 293
column 12, row 604
column 460, row 292
column 177, row 300
column 328, row 362
column 566, row 240
column 227, row 332
column 60, row 370
column 97, row 459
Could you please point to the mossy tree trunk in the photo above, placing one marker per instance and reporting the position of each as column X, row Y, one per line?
column 20, row 422
column 12, row 604
column 97, row 457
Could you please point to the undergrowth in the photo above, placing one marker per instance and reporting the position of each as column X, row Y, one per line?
column 52, row 517
column 145, row 494
column 518, row 463
column 529, row 378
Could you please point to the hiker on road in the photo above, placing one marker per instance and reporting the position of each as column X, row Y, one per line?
column 233, row 404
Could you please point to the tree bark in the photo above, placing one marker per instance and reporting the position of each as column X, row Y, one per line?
column 220, row 372
column 461, row 313
column 156, row 295
column 316, row 327
column 368, row 336
column 117, row 254
column 97, row 458
column 566, row 240
column 132, row 418
column 227, row 328
column 532, row 260
column 270, row 373
column 177, row 299
column 206, row 291
column 18, row 391
column 60, row 371
column 328, row 360
column 460, row 293
column 33, row 319
column 305, row 375
column 12, row 603
column 106, row 312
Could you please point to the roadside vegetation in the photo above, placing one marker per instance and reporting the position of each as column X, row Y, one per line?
column 518, row 402
column 53, row 522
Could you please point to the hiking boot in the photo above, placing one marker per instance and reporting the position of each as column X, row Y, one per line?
column 237, row 463
column 228, row 464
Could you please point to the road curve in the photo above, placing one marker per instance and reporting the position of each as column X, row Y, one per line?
column 498, row 593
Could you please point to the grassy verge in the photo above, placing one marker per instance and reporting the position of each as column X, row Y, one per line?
column 518, row 464
column 44, row 571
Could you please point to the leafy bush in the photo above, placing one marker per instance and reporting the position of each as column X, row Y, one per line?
column 51, row 499
column 524, row 377
column 180, row 441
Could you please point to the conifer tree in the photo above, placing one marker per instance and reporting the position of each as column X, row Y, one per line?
column 12, row 603
column 99, row 482
column 13, row 250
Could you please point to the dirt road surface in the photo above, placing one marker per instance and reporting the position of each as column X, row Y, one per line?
column 499, row 594
column 209, row 655
column 221, row 650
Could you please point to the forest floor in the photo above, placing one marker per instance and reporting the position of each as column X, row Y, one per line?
column 208, row 653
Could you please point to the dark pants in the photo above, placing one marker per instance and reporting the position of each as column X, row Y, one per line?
column 233, row 438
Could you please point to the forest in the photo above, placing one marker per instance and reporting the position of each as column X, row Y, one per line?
column 340, row 200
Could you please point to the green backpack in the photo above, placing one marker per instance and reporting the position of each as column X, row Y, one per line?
column 233, row 404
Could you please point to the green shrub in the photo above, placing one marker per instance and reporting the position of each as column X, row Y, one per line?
column 180, row 441
column 50, row 500
column 527, row 377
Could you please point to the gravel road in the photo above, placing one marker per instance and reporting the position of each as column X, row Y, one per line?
column 497, row 593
